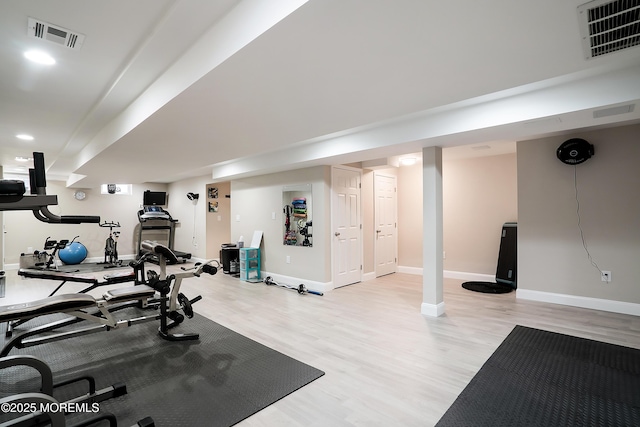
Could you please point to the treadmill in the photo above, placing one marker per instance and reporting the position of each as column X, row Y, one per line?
column 155, row 218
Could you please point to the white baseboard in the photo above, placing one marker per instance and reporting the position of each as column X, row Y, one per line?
column 462, row 275
column 295, row 281
column 578, row 301
column 410, row 270
column 449, row 274
column 368, row 276
column 432, row 310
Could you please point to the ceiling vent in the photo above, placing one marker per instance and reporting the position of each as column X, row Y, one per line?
column 609, row 26
column 55, row 34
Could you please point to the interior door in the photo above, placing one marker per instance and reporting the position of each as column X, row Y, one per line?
column 347, row 228
column 386, row 224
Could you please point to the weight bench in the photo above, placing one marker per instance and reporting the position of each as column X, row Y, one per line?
column 80, row 307
column 109, row 279
column 69, row 302
column 136, row 276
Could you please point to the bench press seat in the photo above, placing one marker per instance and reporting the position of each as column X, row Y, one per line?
column 54, row 304
column 128, row 294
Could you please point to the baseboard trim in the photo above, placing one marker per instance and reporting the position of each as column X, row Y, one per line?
column 463, row 275
column 579, row 301
column 410, row 270
column 450, row 274
column 432, row 310
column 368, row 276
column 295, row 281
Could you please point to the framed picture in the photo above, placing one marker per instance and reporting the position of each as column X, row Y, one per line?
column 213, row 192
column 213, row 206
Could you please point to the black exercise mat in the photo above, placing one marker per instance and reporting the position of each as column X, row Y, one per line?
column 540, row 378
column 217, row 381
column 487, row 287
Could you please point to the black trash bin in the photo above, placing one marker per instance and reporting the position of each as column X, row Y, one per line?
column 230, row 258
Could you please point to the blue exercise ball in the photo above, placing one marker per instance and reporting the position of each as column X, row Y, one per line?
column 73, row 253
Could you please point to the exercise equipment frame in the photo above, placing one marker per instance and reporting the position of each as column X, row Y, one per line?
column 81, row 307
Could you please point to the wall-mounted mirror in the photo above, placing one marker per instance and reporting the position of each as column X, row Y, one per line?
column 297, row 202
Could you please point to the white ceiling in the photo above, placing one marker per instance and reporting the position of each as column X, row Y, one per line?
column 163, row 90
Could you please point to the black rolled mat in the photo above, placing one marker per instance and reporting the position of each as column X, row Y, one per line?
column 217, row 381
column 540, row 378
column 487, row 287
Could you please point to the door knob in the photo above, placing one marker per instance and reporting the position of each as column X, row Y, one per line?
column 336, row 234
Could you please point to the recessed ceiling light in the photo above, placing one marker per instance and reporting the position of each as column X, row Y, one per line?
column 23, row 159
column 40, row 57
column 24, row 137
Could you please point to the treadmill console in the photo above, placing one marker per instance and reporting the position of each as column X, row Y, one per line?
column 154, row 212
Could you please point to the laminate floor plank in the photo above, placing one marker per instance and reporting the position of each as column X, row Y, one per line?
column 385, row 363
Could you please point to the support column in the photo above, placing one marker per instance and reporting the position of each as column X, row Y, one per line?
column 432, row 264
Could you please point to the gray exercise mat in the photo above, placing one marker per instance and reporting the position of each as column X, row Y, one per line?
column 540, row 378
column 217, row 381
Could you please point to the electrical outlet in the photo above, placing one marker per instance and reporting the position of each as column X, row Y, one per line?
column 288, row 259
column 605, row 276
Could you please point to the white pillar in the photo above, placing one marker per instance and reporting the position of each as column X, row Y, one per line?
column 432, row 264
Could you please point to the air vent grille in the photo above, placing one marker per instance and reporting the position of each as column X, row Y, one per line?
column 55, row 34
column 609, row 26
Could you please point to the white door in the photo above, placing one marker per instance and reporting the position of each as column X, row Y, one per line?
column 346, row 219
column 386, row 224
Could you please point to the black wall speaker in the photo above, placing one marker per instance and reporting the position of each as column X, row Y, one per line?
column 575, row 151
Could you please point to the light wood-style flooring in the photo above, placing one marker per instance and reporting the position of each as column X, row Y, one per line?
column 385, row 363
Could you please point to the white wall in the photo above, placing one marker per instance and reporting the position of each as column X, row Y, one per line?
column 191, row 229
column 218, row 223
column 551, row 256
column 255, row 200
column 23, row 230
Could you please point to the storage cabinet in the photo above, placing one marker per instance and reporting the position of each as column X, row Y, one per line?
column 250, row 264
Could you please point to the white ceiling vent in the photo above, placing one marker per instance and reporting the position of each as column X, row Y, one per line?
column 53, row 33
column 609, row 26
